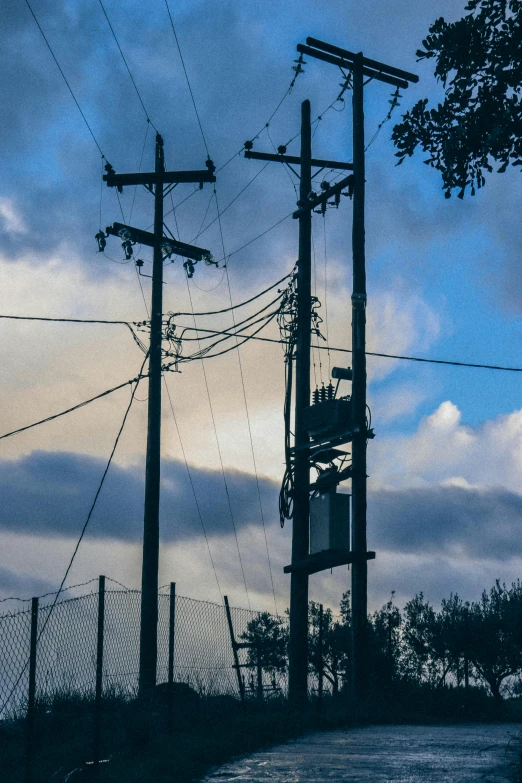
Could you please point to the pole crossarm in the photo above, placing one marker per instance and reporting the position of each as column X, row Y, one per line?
column 343, row 62
column 323, row 164
column 120, row 180
column 322, row 197
column 367, row 61
column 169, row 246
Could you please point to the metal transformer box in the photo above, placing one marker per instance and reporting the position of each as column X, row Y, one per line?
column 328, row 419
column 329, row 522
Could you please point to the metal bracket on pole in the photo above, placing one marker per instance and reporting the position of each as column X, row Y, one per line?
column 169, row 246
column 321, row 198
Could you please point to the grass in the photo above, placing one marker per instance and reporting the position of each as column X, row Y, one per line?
column 147, row 742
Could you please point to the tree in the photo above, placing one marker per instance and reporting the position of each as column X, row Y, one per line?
column 334, row 653
column 385, row 642
column 479, row 62
column 268, row 639
column 495, row 635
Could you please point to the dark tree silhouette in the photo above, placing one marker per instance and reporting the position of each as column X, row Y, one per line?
column 268, row 639
column 495, row 635
column 336, row 641
column 385, row 626
column 479, row 62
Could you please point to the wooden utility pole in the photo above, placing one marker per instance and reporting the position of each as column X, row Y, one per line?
column 359, row 547
column 149, row 571
column 360, row 67
column 300, row 568
column 162, row 247
column 298, row 658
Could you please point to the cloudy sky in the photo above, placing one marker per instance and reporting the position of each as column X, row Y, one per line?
column 444, row 281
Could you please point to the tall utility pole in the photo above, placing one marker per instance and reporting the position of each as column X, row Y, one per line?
column 150, row 562
column 162, row 247
column 298, row 670
column 360, row 67
column 359, row 546
column 301, row 567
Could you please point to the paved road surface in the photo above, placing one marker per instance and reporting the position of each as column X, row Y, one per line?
column 382, row 754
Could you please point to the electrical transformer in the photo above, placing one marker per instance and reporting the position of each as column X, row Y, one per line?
column 329, row 522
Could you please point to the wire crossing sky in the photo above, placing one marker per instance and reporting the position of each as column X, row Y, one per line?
column 444, row 286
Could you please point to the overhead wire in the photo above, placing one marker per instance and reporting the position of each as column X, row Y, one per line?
column 73, row 408
column 426, row 360
column 192, row 485
column 241, row 304
column 65, row 80
column 139, row 169
column 127, row 66
column 81, row 536
column 227, row 493
column 187, row 77
column 218, row 218
column 240, row 364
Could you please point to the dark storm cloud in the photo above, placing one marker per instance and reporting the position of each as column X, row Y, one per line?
column 50, row 493
column 239, row 58
column 474, row 523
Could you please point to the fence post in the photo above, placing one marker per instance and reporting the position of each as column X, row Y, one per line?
column 172, row 624
column 259, row 667
column 32, row 692
column 321, row 664
column 99, row 674
column 240, row 682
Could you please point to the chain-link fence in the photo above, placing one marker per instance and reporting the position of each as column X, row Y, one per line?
column 66, row 648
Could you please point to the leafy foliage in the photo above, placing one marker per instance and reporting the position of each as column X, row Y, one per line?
column 335, row 646
column 479, row 62
column 268, row 638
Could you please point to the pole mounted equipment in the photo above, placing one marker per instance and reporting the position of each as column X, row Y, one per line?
column 359, row 67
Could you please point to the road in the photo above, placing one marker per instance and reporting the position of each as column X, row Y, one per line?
column 383, row 754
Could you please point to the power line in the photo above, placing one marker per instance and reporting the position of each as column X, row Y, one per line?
column 218, row 216
column 369, row 353
column 232, row 308
column 187, row 78
column 189, row 474
column 64, row 320
column 82, row 534
column 78, row 321
column 242, row 304
column 221, row 461
column 225, row 483
column 65, row 80
column 262, row 234
column 127, row 66
column 75, row 407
